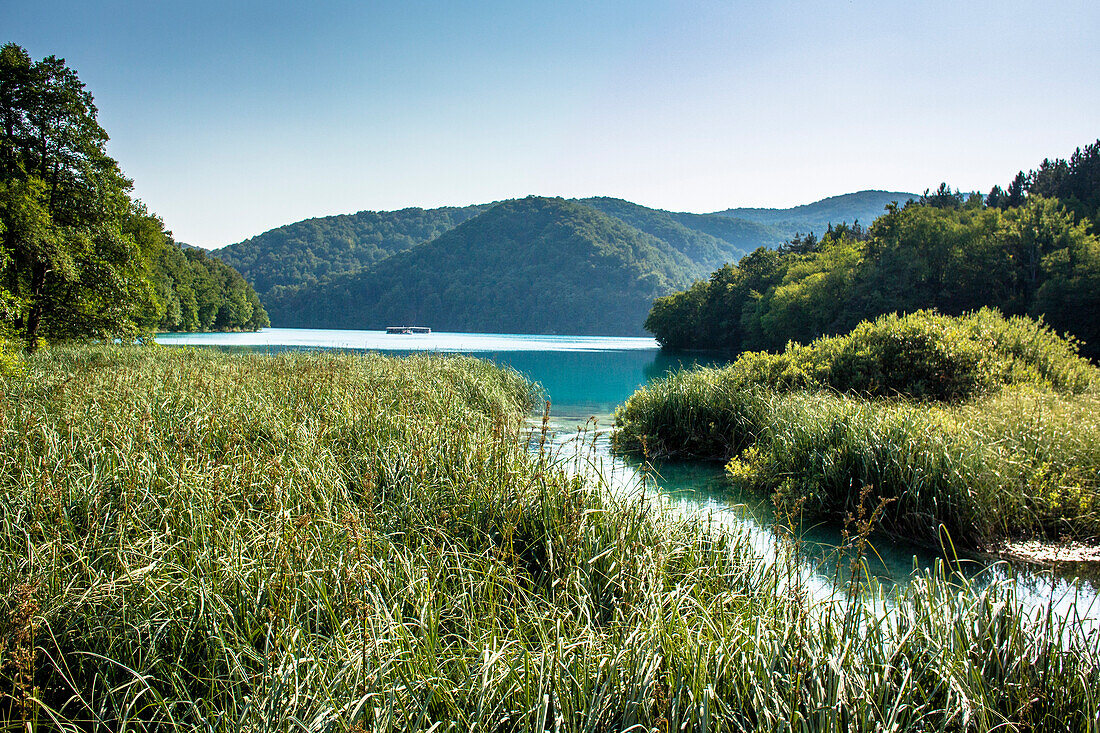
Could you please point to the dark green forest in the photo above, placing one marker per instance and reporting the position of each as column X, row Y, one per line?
column 305, row 272
column 301, row 270
column 533, row 265
column 1020, row 250
column 79, row 257
column 307, row 251
column 709, row 241
column 202, row 293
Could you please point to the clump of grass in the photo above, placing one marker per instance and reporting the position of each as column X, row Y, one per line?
column 1047, row 447
column 1021, row 463
column 925, row 356
column 705, row 413
column 330, row 542
column 1020, row 456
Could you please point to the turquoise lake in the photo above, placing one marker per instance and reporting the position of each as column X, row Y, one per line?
column 585, row 378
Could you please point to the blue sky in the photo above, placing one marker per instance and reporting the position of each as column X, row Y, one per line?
column 236, row 117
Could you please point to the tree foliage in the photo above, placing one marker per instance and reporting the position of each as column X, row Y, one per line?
column 307, row 252
column 202, row 293
column 78, row 256
column 70, row 269
column 314, row 249
column 1075, row 182
column 946, row 252
column 534, row 265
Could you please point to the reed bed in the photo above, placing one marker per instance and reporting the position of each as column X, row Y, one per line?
column 926, row 356
column 980, row 427
column 1023, row 462
column 324, row 542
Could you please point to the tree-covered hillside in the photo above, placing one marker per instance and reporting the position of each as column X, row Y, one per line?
column 941, row 252
column 313, row 249
column 708, row 240
column 304, row 271
column 533, row 265
column 309, row 251
column 301, row 269
column 202, row 293
column 862, row 206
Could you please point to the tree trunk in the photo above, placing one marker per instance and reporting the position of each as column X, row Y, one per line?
column 34, row 317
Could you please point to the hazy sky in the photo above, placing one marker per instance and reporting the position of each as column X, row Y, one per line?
column 236, row 117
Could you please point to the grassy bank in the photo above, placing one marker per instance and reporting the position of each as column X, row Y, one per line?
column 331, row 542
column 984, row 426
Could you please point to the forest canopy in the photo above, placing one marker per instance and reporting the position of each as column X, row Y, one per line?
column 309, row 254
column 533, row 265
column 1024, row 252
column 79, row 257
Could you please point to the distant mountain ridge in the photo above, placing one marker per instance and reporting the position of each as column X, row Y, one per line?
column 326, row 271
column 709, row 241
column 865, row 206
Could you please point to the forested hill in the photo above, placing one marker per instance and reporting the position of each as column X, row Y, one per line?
column 864, row 206
column 534, row 265
column 312, row 249
column 708, row 240
column 300, row 269
column 1031, row 248
column 950, row 255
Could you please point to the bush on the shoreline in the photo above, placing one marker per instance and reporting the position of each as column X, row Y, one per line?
column 925, row 356
column 201, row 540
column 1019, row 457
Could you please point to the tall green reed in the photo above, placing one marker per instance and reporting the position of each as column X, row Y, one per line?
column 330, row 542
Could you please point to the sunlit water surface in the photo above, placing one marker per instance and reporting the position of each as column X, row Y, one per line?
column 586, row 377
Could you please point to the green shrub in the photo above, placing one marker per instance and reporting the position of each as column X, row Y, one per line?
column 986, row 426
column 925, row 356
column 701, row 413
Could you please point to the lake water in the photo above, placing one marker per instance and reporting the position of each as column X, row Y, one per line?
column 585, row 378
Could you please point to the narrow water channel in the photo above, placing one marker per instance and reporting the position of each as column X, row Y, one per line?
column 585, row 378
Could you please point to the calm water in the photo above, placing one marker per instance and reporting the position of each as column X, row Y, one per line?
column 582, row 375
column 586, row 377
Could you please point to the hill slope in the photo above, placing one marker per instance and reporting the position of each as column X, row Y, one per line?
column 316, row 248
column 203, row 293
column 533, row 265
column 866, row 206
column 304, row 272
column 708, row 240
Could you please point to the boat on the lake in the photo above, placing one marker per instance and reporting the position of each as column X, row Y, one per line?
column 408, row 329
